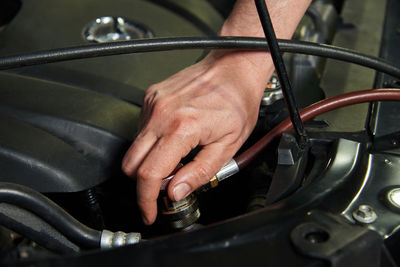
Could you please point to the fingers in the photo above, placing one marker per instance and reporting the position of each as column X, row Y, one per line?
column 162, row 159
column 137, row 152
column 198, row 172
column 147, row 193
column 188, row 109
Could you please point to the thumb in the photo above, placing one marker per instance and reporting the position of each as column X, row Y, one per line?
column 200, row 171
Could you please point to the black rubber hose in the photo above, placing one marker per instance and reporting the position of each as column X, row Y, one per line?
column 280, row 69
column 51, row 213
column 165, row 44
column 34, row 228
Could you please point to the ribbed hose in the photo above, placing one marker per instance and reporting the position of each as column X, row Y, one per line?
column 165, row 44
column 51, row 213
column 34, row 228
column 314, row 110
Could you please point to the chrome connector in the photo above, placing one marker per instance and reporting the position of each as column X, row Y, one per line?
column 117, row 239
column 227, row 170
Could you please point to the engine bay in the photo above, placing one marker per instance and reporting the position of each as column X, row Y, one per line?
column 68, row 117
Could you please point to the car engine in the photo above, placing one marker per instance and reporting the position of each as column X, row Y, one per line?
column 72, row 81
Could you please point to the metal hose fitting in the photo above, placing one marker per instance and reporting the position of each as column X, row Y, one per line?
column 117, row 239
column 177, row 214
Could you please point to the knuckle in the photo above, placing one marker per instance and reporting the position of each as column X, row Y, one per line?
column 152, row 94
column 204, row 173
column 146, row 173
column 152, row 89
column 149, row 97
column 182, row 126
column 185, row 130
column 161, row 108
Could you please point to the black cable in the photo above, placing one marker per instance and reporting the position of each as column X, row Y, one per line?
column 165, row 44
column 280, row 69
column 51, row 213
column 34, row 228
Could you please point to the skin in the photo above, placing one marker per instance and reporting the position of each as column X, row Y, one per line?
column 212, row 104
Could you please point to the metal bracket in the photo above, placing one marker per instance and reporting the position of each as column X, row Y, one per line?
column 289, row 173
column 329, row 237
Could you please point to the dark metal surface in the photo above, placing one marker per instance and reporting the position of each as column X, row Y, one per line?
column 290, row 169
column 381, row 173
column 258, row 238
column 331, row 238
column 385, row 114
column 387, row 142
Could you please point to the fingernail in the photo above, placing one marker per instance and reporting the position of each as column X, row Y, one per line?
column 181, row 191
column 145, row 220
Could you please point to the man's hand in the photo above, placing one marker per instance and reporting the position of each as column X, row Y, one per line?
column 212, row 105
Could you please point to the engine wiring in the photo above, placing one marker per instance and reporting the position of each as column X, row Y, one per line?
column 184, row 43
column 86, row 237
column 67, row 234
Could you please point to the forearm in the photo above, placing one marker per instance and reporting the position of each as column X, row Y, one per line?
column 285, row 15
column 244, row 21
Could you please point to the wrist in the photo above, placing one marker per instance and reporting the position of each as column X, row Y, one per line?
column 251, row 70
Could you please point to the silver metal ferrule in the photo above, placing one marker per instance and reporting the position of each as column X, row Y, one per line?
column 227, row 170
column 117, row 239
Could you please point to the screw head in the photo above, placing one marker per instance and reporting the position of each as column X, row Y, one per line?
column 364, row 214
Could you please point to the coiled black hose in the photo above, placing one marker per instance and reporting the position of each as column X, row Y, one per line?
column 164, row 44
column 51, row 213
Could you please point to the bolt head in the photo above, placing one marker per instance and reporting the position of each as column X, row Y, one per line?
column 364, row 214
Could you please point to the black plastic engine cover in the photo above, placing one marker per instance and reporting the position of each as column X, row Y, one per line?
column 49, row 24
column 59, row 138
column 66, row 126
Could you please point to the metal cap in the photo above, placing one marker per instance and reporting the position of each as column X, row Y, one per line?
column 110, row 29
